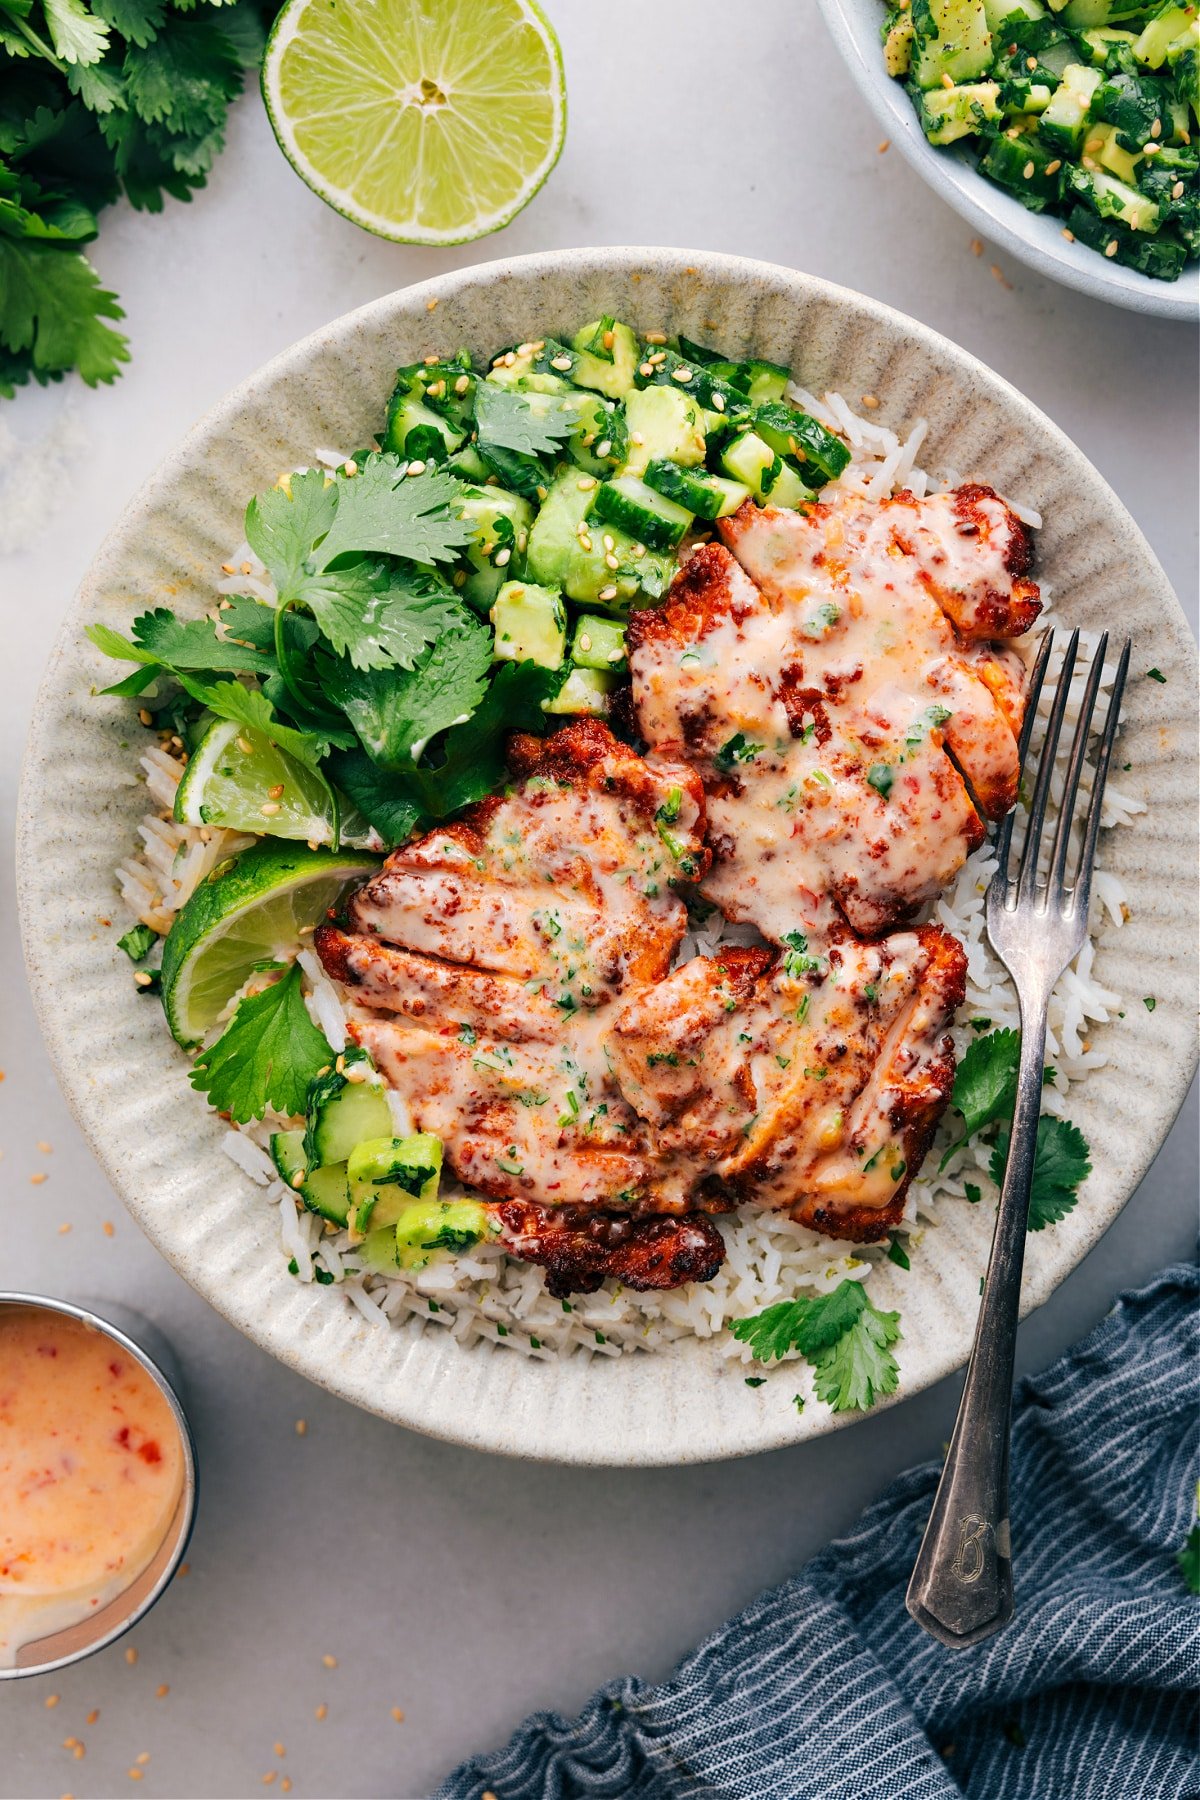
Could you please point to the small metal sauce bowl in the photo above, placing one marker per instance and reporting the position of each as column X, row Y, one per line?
column 73, row 1642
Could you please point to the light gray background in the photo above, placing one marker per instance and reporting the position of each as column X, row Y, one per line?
column 467, row 1590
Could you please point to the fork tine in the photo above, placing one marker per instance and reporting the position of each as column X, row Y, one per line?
column 1037, row 675
column 1082, row 891
column 1027, row 878
column 1066, row 812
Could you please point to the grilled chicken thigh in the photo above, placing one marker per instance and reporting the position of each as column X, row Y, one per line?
column 831, row 681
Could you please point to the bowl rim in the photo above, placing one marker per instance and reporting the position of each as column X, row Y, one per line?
column 437, row 1417
column 184, row 1519
column 1004, row 220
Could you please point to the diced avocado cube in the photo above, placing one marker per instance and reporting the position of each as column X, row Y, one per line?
column 662, row 422
column 386, row 1174
column 429, row 1226
column 947, row 114
column 530, row 624
column 951, row 37
column 555, row 531
column 598, row 643
column 521, row 373
column 584, row 691
column 502, row 521
column 1063, row 121
column 1103, row 147
column 771, row 479
column 569, row 552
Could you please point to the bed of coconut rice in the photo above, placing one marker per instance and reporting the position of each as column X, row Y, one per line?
column 488, row 1294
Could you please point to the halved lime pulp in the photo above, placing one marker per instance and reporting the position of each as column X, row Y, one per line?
column 427, row 121
column 239, row 780
column 251, row 909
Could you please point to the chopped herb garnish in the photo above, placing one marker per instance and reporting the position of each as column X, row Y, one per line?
column 880, row 776
column 897, row 1253
column 756, row 1381
column 797, row 961
column 1149, row 1002
column 737, row 749
column 138, row 942
column 1155, row 675
column 974, row 1194
column 846, row 1339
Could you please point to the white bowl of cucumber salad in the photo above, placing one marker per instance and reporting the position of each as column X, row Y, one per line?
column 428, row 563
column 1064, row 130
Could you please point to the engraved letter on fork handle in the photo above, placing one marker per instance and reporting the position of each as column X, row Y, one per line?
column 961, row 1587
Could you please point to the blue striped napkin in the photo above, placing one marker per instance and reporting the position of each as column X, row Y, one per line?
column 824, row 1689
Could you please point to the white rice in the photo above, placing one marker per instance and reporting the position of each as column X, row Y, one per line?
column 486, row 1294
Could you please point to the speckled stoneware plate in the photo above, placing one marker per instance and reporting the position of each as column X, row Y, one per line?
column 1035, row 239
column 79, row 807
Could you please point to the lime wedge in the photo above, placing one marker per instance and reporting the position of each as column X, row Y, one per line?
column 430, row 124
column 238, row 779
column 250, row 910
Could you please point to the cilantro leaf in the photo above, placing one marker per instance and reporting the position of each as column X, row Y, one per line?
column 396, row 712
column 249, row 621
column 382, row 512
column 846, row 1339
column 250, row 706
column 380, row 623
column 511, row 421
column 284, row 526
column 138, row 21
column 266, row 1056
column 1189, row 1560
column 381, row 797
column 138, row 942
column 54, row 308
column 985, row 1085
column 1060, row 1164
column 192, row 644
column 77, row 36
column 472, row 760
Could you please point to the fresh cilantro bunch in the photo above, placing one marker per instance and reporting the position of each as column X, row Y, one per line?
column 119, row 97
column 847, row 1340
column 368, row 668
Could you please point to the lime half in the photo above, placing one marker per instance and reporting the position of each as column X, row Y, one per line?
column 238, row 779
column 250, row 910
column 428, row 121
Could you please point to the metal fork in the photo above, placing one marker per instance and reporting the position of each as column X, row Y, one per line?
column 961, row 1588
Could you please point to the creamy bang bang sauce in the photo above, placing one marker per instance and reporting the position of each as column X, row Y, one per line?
column 91, row 1471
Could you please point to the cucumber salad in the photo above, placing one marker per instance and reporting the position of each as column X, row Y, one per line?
column 1082, row 108
column 394, row 617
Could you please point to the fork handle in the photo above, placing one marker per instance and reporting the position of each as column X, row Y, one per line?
column 961, row 1587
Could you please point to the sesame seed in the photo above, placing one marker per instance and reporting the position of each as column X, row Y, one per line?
column 142, row 978
column 1031, row 62
column 269, row 808
column 1093, row 144
column 509, row 359
column 350, row 467
column 586, row 483
column 1177, row 191
column 273, row 793
column 63, row 1230
column 870, row 402
column 608, row 339
column 270, row 1776
column 161, row 1691
column 560, row 362
column 462, row 384
column 585, row 542
column 53, row 1700
column 604, row 449
column 638, row 550
column 999, row 275
column 69, row 1743
column 718, row 403
column 285, row 1786
column 321, row 1712
column 92, row 1716
column 585, row 643
column 976, row 246
column 1089, row 162
column 431, row 305
column 44, row 1147
column 108, row 1228
column 522, row 539
column 1069, row 235
column 1027, row 171
column 635, row 437
column 459, row 578
column 1156, row 129
column 245, row 746
column 417, row 467
column 301, row 1430
column 329, row 1661
column 143, row 1759
column 398, row 1715
column 134, row 1774
column 656, row 337
column 245, row 568
column 131, row 1656
column 884, row 146
column 182, row 1570
column 607, row 593
column 502, row 557
column 611, row 560
column 228, row 569
column 430, row 358
column 610, row 542
column 646, row 368
column 682, row 374
column 37, row 1180
column 279, row 1750
column 1052, row 168
column 144, row 717
column 1151, row 149
column 1110, row 249
column 947, row 81
column 79, row 1752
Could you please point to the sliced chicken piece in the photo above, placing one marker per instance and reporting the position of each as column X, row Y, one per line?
column 814, row 1087
column 579, row 1252
column 568, row 876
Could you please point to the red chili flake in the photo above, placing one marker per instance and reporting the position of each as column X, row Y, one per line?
column 150, row 1452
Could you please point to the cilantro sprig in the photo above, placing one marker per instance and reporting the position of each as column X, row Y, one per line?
column 532, row 425
column 266, row 1056
column 847, row 1340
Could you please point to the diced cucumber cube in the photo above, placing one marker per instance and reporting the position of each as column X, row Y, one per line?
column 951, row 37
column 1064, row 119
column 598, row 643
column 818, row 454
column 530, row 624
column 344, row 1106
column 386, row 1174
column 651, row 518
column 502, row 521
column 708, row 496
column 584, row 691
column 415, row 430
column 771, row 479
column 947, row 114
column 1113, row 199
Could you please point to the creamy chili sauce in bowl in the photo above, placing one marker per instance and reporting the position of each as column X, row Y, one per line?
column 92, row 1469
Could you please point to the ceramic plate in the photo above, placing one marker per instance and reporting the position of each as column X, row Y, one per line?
column 1033, row 238
column 126, row 1080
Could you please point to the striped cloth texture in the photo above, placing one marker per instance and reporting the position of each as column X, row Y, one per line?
column 825, row 1689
